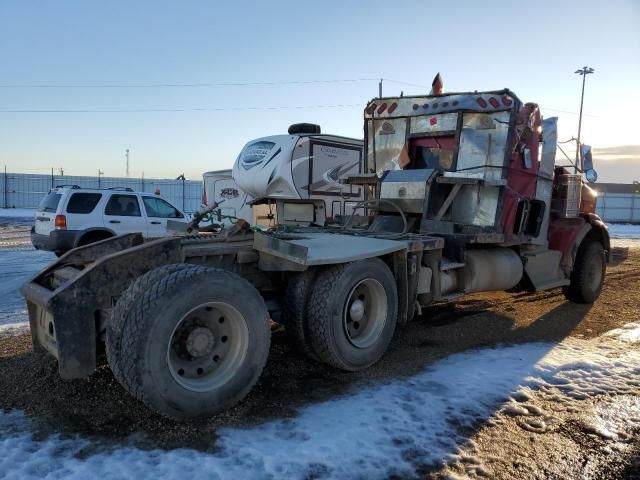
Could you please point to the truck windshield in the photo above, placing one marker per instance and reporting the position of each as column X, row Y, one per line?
column 50, row 202
column 432, row 152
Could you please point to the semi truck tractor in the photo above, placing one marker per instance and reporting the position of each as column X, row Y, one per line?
column 461, row 192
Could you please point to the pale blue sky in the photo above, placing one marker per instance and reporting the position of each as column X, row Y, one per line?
column 532, row 48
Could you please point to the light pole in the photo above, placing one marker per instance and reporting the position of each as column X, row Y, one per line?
column 584, row 71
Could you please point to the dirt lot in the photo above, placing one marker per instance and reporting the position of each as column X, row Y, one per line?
column 99, row 408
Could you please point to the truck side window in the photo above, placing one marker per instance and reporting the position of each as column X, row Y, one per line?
column 123, row 206
column 158, row 208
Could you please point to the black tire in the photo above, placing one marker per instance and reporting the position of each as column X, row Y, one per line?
column 587, row 276
column 334, row 333
column 123, row 307
column 153, row 330
column 294, row 311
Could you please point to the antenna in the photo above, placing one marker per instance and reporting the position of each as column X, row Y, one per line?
column 126, row 154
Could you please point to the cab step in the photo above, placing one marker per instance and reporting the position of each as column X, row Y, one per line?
column 449, row 265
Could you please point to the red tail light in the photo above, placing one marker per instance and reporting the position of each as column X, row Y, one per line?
column 494, row 103
column 61, row 222
column 371, row 108
column 482, row 102
column 506, row 101
column 392, row 107
column 382, row 108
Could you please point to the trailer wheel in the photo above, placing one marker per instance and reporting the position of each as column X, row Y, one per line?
column 195, row 342
column 123, row 307
column 294, row 314
column 588, row 273
column 352, row 313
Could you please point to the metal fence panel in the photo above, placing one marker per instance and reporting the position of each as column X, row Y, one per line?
column 25, row 190
column 619, row 207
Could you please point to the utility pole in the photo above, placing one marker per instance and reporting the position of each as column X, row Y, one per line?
column 181, row 177
column 380, row 88
column 126, row 154
column 100, row 173
column 584, row 71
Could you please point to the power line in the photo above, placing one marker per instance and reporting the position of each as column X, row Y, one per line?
column 407, row 83
column 198, row 109
column 189, row 85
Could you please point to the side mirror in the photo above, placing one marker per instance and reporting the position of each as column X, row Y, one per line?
column 587, row 163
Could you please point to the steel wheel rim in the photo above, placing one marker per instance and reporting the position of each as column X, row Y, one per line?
column 365, row 313
column 207, row 346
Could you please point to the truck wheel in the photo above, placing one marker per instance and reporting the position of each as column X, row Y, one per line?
column 352, row 313
column 123, row 307
column 294, row 311
column 588, row 273
column 195, row 342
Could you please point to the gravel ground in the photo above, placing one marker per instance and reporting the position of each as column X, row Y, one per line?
column 98, row 407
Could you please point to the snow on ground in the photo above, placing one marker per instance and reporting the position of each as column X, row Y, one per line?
column 623, row 230
column 17, row 213
column 18, row 262
column 629, row 333
column 16, row 266
column 376, row 432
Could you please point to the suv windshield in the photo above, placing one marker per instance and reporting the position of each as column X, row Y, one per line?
column 50, row 202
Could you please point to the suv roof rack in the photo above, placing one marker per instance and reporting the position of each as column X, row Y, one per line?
column 124, row 189
column 75, row 187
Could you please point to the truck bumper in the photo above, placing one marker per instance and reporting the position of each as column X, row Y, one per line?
column 56, row 241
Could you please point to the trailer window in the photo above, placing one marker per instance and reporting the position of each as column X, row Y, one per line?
column 50, row 203
column 83, row 202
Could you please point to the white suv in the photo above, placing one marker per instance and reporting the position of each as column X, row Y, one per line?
column 70, row 216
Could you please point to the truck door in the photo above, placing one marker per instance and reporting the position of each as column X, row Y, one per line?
column 122, row 214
